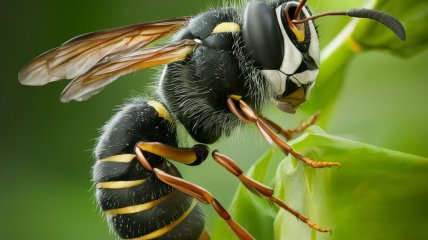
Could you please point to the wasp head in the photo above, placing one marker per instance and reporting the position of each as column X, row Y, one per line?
column 287, row 54
column 283, row 41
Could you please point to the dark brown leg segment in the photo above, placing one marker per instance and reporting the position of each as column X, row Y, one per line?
column 260, row 189
column 267, row 132
column 185, row 186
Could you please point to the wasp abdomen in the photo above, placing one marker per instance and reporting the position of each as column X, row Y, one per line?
column 136, row 203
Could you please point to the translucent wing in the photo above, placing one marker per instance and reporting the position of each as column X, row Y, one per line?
column 81, row 53
column 113, row 66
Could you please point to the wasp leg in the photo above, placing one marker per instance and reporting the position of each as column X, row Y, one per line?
column 260, row 189
column 205, row 197
column 190, row 156
column 185, row 186
column 288, row 134
column 269, row 135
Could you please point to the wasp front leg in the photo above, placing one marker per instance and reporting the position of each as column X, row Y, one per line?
column 246, row 114
column 288, row 134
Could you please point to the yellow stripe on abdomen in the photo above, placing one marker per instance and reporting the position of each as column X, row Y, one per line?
column 122, row 158
column 169, row 227
column 120, row 184
column 136, row 208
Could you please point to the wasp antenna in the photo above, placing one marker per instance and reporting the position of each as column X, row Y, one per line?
column 334, row 13
column 299, row 9
column 386, row 19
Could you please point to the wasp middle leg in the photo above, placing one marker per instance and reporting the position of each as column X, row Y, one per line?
column 288, row 134
column 246, row 114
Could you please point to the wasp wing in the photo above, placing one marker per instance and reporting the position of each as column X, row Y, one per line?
column 81, row 53
column 116, row 65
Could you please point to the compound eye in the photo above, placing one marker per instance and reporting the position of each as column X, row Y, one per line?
column 262, row 35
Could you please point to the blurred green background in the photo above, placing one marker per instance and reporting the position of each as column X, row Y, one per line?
column 46, row 145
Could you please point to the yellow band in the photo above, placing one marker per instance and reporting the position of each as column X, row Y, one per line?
column 120, row 184
column 119, row 158
column 136, row 208
column 168, row 228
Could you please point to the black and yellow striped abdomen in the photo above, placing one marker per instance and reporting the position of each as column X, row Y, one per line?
column 136, row 203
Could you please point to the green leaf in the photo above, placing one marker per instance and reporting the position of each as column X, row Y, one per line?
column 376, row 194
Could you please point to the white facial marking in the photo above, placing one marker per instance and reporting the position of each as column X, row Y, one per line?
column 292, row 56
column 277, row 80
column 305, row 77
column 293, row 59
column 314, row 45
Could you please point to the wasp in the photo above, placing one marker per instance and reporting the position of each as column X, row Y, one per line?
column 222, row 67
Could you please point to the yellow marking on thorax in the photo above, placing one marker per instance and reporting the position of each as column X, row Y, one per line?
column 136, row 208
column 168, row 228
column 163, row 113
column 120, row 184
column 124, row 158
column 227, row 27
column 235, row 97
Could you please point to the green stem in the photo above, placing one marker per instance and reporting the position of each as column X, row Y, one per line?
column 335, row 57
column 334, row 60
